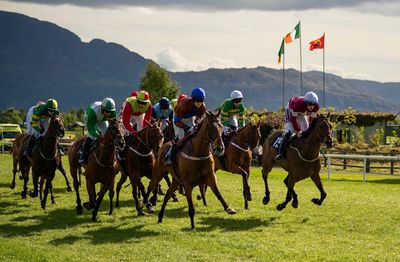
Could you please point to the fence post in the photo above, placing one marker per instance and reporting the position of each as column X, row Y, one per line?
column 365, row 170
column 367, row 164
column 391, row 165
column 344, row 160
column 329, row 168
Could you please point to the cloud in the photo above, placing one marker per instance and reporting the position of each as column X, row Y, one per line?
column 175, row 62
column 227, row 5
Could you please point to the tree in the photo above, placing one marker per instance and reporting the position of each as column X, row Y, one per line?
column 158, row 83
column 13, row 116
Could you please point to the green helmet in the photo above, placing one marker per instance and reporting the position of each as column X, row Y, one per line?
column 108, row 104
column 52, row 104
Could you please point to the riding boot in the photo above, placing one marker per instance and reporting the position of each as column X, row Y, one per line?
column 85, row 150
column 30, row 145
column 282, row 147
column 169, row 158
column 60, row 149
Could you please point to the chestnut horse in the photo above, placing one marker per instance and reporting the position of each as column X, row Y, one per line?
column 302, row 160
column 17, row 145
column 238, row 155
column 101, row 167
column 140, row 160
column 194, row 164
column 44, row 160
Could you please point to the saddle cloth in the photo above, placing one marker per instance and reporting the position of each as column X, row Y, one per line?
column 277, row 141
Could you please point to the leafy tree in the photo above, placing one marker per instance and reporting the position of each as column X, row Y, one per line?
column 158, row 83
column 13, row 116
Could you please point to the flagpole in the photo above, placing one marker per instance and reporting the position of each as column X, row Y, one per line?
column 323, row 75
column 301, row 65
column 283, row 81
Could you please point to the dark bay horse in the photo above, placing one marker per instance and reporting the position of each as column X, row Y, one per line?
column 302, row 160
column 102, row 166
column 169, row 132
column 140, row 159
column 15, row 152
column 238, row 155
column 194, row 164
column 44, row 160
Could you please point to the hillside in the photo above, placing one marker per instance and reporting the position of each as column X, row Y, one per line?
column 39, row 60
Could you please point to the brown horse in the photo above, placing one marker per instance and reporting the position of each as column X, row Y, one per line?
column 169, row 132
column 44, row 160
column 101, row 167
column 140, row 160
column 17, row 145
column 238, row 155
column 302, row 160
column 194, row 164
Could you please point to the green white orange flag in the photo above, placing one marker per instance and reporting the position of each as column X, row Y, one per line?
column 293, row 35
column 318, row 43
column 281, row 51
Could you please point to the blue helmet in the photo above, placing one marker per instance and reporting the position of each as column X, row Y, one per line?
column 164, row 102
column 198, row 93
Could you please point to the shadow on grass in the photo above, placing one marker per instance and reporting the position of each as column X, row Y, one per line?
column 380, row 181
column 232, row 224
column 12, row 207
column 111, row 234
column 56, row 219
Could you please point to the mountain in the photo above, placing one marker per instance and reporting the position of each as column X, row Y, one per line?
column 39, row 60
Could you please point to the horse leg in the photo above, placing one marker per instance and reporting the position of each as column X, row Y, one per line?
column 174, row 197
column 111, row 196
column 25, row 176
column 246, row 187
column 212, row 183
column 267, row 193
column 171, row 189
column 15, row 170
column 41, row 182
column 100, row 196
column 60, row 167
column 188, row 191
column 53, row 200
column 35, row 180
column 90, row 187
column 119, row 186
column 46, row 190
column 135, row 181
column 75, row 182
column 289, row 194
column 317, row 181
column 153, row 199
column 142, row 189
column 202, row 196
column 295, row 201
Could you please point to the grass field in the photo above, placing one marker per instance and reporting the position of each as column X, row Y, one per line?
column 357, row 222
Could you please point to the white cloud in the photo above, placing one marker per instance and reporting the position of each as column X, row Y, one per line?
column 173, row 61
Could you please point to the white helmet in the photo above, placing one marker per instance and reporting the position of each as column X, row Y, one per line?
column 236, row 94
column 311, row 97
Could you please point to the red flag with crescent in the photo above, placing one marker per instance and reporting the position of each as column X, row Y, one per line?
column 318, row 43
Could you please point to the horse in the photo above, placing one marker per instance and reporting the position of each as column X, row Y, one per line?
column 238, row 155
column 140, row 159
column 168, row 132
column 101, row 167
column 44, row 161
column 17, row 145
column 302, row 160
column 194, row 164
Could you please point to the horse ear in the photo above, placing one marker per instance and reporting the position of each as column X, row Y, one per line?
column 329, row 114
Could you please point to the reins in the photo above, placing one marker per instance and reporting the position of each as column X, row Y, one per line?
column 301, row 157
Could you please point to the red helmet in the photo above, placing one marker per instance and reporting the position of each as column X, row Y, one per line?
column 181, row 97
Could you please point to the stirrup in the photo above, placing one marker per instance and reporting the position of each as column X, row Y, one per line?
column 279, row 156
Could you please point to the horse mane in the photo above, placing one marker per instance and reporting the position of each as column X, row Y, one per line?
column 311, row 127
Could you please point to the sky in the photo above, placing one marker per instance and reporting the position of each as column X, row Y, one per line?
column 361, row 36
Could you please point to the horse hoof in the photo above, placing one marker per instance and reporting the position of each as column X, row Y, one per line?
column 246, row 205
column 230, row 211
column 295, row 204
column 141, row 213
column 33, row 195
column 193, row 229
column 280, row 207
column 199, row 197
column 79, row 210
column 265, row 200
column 23, row 194
column 53, row 202
column 175, row 199
column 43, row 205
column 69, row 189
column 316, row 201
column 117, row 204
column 87, row 205
column 150, row 210
column 12, row 186
column 159, row 221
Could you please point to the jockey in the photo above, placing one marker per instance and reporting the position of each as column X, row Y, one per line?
column 296, row 113
column 97, row 115
column 186, row 112
column 232, row 112
column 38, row 120
column 163, row 111
column 137, row 110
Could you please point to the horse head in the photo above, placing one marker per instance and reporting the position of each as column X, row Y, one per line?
column 214, row 131
column 115, row 134
column 56, row 126
column 168, row 132
column 250, row 134
column 152, row 137
column 324, row 130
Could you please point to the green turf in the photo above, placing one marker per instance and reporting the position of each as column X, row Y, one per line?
column 357, row 222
